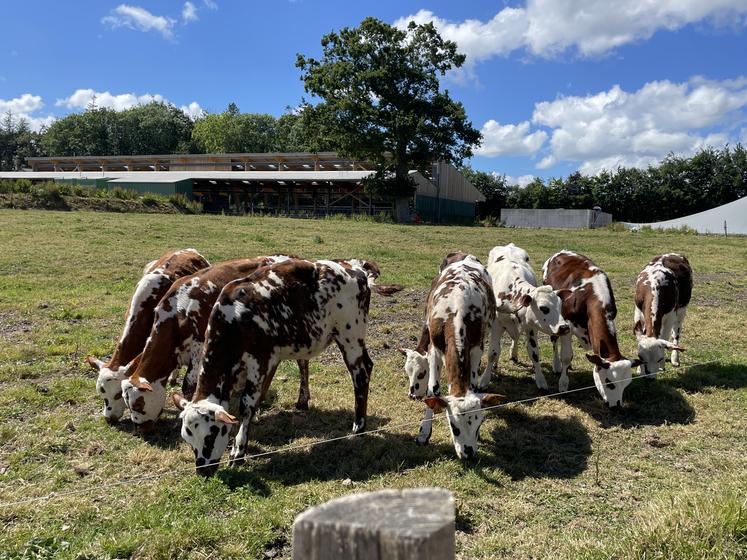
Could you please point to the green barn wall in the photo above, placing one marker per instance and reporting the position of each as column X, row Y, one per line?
column 452, row 211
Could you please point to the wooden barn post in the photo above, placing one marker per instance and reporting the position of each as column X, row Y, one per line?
column 414, row 524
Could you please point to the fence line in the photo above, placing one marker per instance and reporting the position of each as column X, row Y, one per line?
column 193, row 468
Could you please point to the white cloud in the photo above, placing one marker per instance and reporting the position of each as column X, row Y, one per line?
column 83, row 98
column 616, row 127
column 510, row 139
column 135, row 17
column 22, row 108
column 522, row 180
column 189, row 12
column 193, row 110
column 25, row 104
column 210, row 4
column 590, row 27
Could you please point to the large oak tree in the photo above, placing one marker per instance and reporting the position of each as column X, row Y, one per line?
column 381, row 99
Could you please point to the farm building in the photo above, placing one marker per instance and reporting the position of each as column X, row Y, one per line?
column 305, row 184
column 554, row 218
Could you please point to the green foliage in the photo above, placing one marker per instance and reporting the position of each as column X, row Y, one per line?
column 676, row 187
column 381, row 99
column 184, row 204
column 154, row 128
column 124, row 194
column 17, row 142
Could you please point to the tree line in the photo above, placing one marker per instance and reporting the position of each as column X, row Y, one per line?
column 677, row 186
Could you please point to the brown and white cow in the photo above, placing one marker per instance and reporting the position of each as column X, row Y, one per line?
column 177, row 337
column 459, row 311
column 521, row 307
column 662, row 292
column 589, row 307
column 158, row 277
column 288, row 311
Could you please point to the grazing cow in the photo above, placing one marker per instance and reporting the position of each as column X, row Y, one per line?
column 178, row 334
column 288, row 311
column 522, row 307
column 589, row 306
column 459, row 311
column 662, row 292
column 158, row 277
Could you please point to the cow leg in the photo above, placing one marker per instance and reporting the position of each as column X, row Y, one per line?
column 556, row 365
column 475, row 379
column 303, row 390
column 258, row 380
column 676, row 331
column 360, row 366
column 435, row 362
column 566, row 356
column 189, row 383
column 533, row 351
column 514, row 332
column 494, row 354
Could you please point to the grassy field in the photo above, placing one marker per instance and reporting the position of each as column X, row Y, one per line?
column 666, row 477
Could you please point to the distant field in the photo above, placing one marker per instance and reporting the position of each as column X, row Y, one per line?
column 561, row 478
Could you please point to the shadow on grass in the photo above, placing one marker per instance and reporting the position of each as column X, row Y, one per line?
column 646, row 402
column 697, row 378
column 358, row 459
column 537, row 446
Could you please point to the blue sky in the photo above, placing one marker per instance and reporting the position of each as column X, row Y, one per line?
column 555, row 85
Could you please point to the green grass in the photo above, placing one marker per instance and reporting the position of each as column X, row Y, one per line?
column 559, row 478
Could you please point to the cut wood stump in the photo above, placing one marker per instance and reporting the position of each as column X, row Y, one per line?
column 389, row 524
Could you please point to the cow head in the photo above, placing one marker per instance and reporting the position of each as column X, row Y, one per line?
column 465, row 418
column 416, row 368
column 145, row 400
column 206, row 427
column 544, row 309
column 109, row 388
column 651, row 352
column 614, row 377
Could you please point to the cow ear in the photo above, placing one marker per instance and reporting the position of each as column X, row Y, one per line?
column 525, row 300
column 141, row 384
column 179, row 401
column 94, row 363
column 491, row 399
column 598, row 361
column 223, row 416
column 130, row 369
column 637, row 362
column 437, row 404
column 669, row 346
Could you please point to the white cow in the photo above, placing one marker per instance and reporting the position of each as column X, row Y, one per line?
column 522, row 307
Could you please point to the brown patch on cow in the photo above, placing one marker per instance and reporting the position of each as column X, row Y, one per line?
column 582, row 307
column 138, row 405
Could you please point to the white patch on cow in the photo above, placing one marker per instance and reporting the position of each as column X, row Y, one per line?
column 232, row 312
column 152, row 401
column 146, row 287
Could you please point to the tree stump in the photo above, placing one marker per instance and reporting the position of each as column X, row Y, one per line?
column 389, row 524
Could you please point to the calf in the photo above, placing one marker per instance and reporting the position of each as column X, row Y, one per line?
column 589, row 306
column 158, row 277
column 291, row 310
column 459, row 311
column 177, row 336
column 662, row 292
column 521, row 307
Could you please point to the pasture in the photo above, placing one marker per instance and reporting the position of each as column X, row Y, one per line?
column 665, row 477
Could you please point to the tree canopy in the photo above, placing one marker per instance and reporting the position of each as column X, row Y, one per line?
column 381, row 99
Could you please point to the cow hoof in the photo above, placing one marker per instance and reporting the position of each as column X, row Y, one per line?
column 422, row 441
column 543, row 390
column 302, row 405
column 676, row 364
column 358, row 427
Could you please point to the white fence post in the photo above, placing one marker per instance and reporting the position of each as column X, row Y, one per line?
column 416, row 524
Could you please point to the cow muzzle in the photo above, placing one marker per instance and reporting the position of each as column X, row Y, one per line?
column 562, row 330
